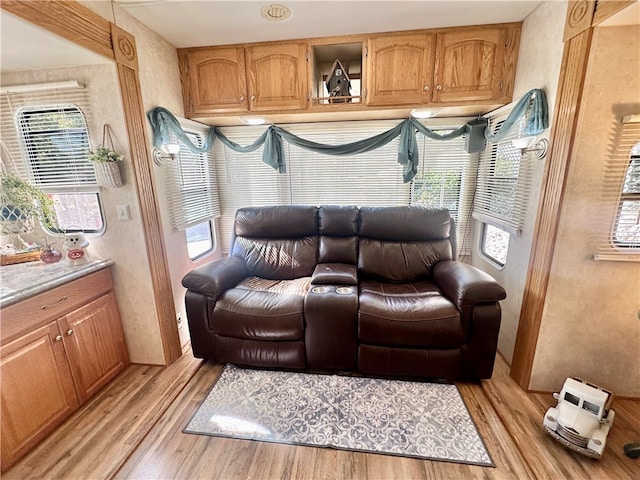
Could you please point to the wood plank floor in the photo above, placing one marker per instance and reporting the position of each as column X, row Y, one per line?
column 133, row 430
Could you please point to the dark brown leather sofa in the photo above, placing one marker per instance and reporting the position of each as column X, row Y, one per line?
column 375, row 290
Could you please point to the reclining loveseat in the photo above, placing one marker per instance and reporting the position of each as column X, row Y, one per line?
column 374, row 290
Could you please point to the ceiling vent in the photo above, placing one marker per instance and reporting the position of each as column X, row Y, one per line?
column 275, row 12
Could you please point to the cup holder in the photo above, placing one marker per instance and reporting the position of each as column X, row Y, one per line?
column 344, row 290
column 320, row 289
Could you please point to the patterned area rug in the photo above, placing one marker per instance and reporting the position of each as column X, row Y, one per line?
column 422, row 420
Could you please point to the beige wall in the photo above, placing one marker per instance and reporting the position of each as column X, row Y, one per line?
column 122, row 241
column 590, row 325
column 539, row 62
column 160, row 84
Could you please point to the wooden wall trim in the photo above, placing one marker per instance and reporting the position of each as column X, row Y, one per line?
column 77, row 23
column 579, row 17
column 68, row 19
column 149, row 211
column 562, row 138
column 608, row 8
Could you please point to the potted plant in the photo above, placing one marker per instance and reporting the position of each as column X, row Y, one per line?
column 21, row 204
column 107, row 170
column 106, row 160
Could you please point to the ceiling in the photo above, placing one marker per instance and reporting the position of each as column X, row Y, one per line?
column 214, row 22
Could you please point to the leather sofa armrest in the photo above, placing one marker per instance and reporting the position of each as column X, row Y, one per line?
column 334, row 274
column 214, row 278
column 466, row 285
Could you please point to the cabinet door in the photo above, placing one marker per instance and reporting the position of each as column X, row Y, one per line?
column 213, row 80
column 400, row 69
column 95, row 344
column 469, row 64
column 37, row 390
column 277, row 76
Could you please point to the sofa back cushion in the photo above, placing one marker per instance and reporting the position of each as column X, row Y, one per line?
column 338, row 227
column 279, row 242
column 402, row 244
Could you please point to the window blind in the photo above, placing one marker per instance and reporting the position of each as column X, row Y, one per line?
column 446, row 177
column 46, row 136
column 370, row 179
column 190, row 182
column 504, row 181
column 619, row 206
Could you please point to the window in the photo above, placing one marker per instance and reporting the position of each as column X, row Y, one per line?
column 494, row 244
column 571, row 398
column 190, row 181
column 626, row 233
column 618, row 219
column 590, row 407
column 199, row 240
column 445, row 178
column 504, row 182
column 48, row 131
column 55, row 142
column 368, row 179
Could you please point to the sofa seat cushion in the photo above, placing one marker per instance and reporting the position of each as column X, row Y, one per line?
column 262, row 309
column 407, row 314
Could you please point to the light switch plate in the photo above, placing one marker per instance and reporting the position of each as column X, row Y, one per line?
column 123, row 212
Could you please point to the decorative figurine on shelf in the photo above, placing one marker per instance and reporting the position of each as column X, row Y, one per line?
column 338, row 83
column 50, row 254
column 75, row 247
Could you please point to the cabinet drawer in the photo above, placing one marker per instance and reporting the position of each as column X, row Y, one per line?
column 33, row 312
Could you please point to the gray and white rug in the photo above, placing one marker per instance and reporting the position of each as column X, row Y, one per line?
column 414, row 419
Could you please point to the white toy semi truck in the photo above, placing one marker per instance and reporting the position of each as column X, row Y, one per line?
column 582, row 418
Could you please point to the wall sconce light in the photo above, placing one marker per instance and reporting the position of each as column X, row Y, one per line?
column 167, row 151
column 529, row 144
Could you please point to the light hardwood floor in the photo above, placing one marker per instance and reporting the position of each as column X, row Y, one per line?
column 133, row 430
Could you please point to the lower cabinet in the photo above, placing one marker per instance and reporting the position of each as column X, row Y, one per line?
column 50, row 371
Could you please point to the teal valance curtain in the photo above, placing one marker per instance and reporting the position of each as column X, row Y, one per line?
column 533, row 105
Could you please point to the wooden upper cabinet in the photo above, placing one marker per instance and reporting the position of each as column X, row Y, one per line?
column 277, row 76
column 400, row 69
column 213, row 80
column 470, row 65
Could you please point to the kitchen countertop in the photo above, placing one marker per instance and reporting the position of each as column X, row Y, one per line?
column 23, row 280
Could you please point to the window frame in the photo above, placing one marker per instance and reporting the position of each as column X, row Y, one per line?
column 482, row 246
column 212, row 237
column 66, row 185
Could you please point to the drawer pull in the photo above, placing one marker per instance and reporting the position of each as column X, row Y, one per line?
column 58, row 338
column 45, row 307
column 69, row 332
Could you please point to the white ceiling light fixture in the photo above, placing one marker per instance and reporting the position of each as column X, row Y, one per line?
column 424, row 113
column 252, row 120
column 275, row 12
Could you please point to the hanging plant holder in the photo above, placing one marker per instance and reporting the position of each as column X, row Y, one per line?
column 107, row 161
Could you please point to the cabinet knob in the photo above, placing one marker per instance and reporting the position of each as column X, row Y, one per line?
column 439, row 87
column 69, row 332
column 242, row 98
column 58, row 338
column 253, row 97
column 426, row 88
